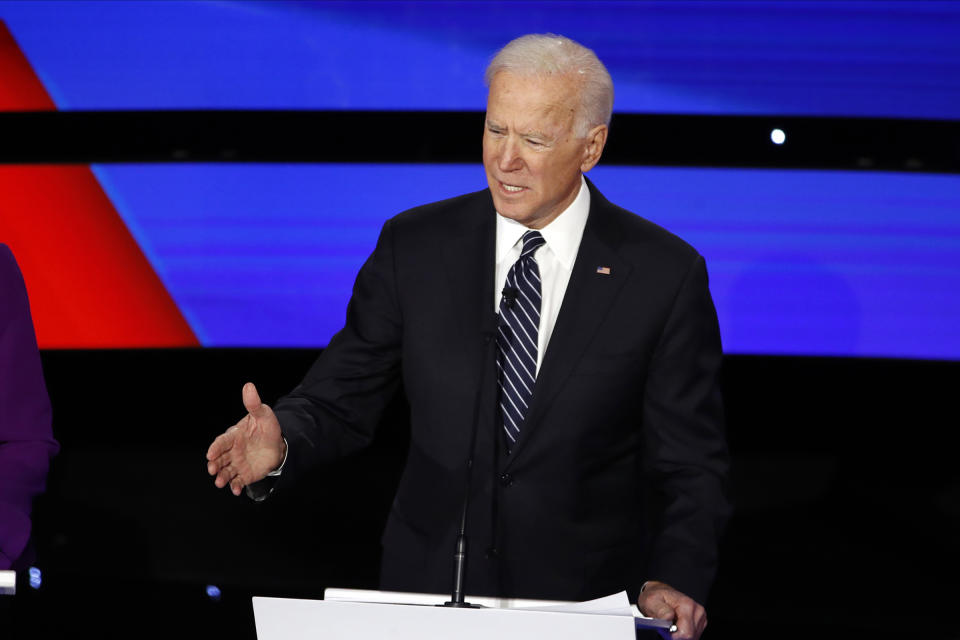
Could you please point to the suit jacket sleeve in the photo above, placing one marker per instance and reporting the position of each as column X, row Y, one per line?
column 337, row 407
column 685, row 445
column 26, row 436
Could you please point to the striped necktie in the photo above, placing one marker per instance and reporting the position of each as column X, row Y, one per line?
column 517, row 336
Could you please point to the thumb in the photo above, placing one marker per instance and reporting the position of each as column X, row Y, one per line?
column 661, row 610
column 251, row 400
column 656, row 605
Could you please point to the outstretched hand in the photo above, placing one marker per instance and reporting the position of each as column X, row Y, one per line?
column 249, row 450
column 660, row 600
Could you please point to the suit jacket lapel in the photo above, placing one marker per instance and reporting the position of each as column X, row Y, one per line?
column 586, row 302
column 469, row 257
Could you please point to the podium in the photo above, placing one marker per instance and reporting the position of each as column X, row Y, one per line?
column 349, row 615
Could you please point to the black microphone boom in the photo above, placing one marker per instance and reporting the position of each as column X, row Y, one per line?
column 460, row 552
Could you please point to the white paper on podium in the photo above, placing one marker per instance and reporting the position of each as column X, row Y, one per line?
column 290, row 619
column 615, row 604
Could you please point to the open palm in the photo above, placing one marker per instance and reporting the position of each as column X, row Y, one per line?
column 249, row 450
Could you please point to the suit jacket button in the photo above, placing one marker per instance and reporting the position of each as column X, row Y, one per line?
column 506, row 479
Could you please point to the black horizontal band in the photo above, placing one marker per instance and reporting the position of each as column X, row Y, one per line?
column 455, row 137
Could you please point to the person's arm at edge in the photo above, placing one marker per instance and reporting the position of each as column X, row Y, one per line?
column 26, row 431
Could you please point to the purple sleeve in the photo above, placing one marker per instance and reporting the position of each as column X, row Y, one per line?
column 26, row 434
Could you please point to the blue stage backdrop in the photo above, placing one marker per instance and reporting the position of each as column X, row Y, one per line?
column 880, row 58
column 801, row 262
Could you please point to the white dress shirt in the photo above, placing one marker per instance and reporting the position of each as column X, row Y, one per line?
column 554, row 259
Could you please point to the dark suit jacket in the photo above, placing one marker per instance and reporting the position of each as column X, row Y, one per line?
column 618, row 475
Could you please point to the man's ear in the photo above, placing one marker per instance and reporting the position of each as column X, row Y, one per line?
column 596, row 139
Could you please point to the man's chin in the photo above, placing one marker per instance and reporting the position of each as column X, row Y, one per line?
column 513, row 212
column 509, row 207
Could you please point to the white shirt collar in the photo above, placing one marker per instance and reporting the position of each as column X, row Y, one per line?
column 562, row 235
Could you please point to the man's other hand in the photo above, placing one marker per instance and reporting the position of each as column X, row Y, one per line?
column 249, row 450
column 660, row 600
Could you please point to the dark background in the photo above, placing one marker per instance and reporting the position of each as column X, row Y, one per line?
column 844, row 476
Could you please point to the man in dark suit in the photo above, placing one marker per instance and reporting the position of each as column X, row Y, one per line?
column 581, row 335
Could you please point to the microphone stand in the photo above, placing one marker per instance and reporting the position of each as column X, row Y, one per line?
column 460, row 551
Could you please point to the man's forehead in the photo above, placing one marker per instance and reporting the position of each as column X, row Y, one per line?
column 546, row 122
column 524, row 102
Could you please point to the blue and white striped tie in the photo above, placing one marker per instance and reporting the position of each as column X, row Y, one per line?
column 517, row 336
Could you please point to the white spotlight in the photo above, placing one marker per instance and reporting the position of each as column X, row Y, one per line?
column 777, row 136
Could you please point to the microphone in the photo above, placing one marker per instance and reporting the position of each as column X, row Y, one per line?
column 460, row 551
column 510, row 296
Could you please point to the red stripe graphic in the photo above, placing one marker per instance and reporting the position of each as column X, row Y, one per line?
column 90, row 286
column 20, row 88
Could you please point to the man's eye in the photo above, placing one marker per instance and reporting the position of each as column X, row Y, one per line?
column 534, row 143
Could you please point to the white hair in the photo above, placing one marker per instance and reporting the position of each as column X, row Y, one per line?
column 548, row 54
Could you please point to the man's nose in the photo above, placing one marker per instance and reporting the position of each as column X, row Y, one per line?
column 510, row 159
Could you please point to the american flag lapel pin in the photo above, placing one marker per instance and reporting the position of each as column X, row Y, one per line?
column 603, row 270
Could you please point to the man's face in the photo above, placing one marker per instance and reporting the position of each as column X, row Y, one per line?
column 531, row 155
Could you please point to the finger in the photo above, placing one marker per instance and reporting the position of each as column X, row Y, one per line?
column 653, row 601
column 228, row 475
column 251, row 399
column 236, row 486
column 700, row 619
column 224, row 476
column 216, row 465
column 684, row 632
column 222, row 461
column 657, row 608
column 226, row 471
column 686, row 626
column 222, row 444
